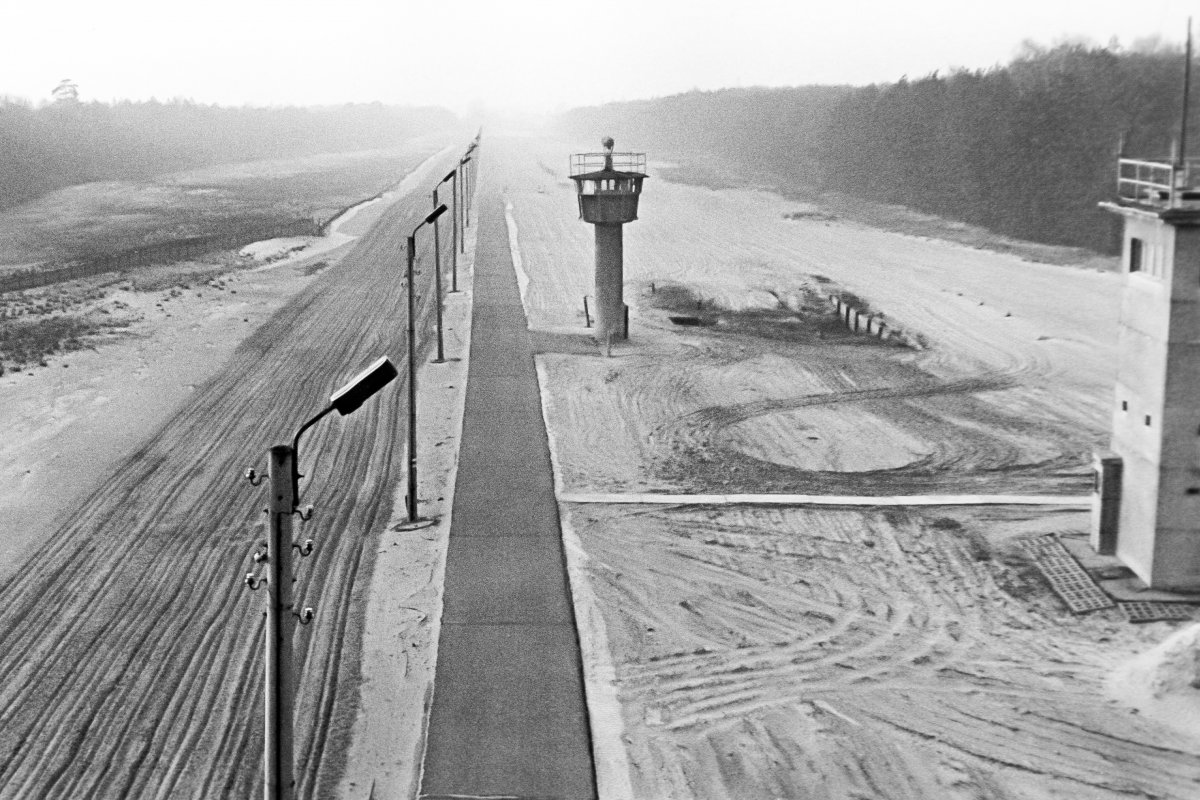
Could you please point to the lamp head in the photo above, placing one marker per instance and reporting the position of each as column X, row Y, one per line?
column 437, row 212
column 366, row 383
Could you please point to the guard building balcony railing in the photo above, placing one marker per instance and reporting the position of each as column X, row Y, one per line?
column 585, row 163
column 1159, row 185
column 608, row 186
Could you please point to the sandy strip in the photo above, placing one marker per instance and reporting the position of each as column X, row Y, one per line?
column 404, row 608
column 1065, row 501
column 64, row 430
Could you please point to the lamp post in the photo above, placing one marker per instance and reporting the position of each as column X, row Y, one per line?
column 412, row 365
column 279, row 690
column 437, row 272
column 462, row 240
column 467, row 188
column 452, row 176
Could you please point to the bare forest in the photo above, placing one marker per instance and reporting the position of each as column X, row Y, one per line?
column 1026, row 150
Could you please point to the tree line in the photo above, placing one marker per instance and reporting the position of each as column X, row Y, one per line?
column 68, row 142
column 1027, row 149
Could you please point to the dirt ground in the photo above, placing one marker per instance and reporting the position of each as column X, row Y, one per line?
column 132, row 656
column 763, row 652
column 736, row 651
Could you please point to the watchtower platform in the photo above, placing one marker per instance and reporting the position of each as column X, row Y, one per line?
column 608, row 186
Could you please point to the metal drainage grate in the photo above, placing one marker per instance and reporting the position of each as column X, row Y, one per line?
column 1150, row 611
column 1068, row 580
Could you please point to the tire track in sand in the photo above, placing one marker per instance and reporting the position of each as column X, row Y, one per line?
column 131, row 663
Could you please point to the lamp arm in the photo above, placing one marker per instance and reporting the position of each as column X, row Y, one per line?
column 296, row 454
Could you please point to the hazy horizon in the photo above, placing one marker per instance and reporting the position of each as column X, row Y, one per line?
column 475, row 56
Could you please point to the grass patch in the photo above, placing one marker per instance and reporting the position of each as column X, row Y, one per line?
column 185, row 275
column 58, row 319
column 25, row 342
column 802, row 315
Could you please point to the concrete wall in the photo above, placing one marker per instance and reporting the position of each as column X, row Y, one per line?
column 1177, row 536
column 1156, row 407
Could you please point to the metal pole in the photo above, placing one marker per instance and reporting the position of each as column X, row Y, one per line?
column 462, row 191
column 467, row 198
column 454, row 245
column 280, row 690
column 437, row 282
column 1187, row 85
column 412, row 384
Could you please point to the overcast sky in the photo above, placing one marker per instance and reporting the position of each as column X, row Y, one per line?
column 540, row 55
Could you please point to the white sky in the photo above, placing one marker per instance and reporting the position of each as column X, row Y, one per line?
column 541, row 56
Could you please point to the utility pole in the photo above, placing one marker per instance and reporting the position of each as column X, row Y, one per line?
column 437, row 281
column 411, row 248
column 464, row 168
column 467, row 198
column 454, row 231
column 280, row 691
column 279, row 684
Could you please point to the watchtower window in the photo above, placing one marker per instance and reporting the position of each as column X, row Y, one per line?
column 1135, row 254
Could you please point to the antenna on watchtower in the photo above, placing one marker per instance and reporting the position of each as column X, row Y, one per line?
column 1187, row 85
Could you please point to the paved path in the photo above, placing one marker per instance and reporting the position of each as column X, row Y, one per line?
column 508, row 716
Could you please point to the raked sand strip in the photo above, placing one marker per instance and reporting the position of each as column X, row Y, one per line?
column 1066, row 501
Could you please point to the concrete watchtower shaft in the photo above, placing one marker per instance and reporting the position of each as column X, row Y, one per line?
column 608, row 186
column 1156, row 411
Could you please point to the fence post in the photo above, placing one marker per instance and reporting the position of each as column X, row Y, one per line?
column 280, row 691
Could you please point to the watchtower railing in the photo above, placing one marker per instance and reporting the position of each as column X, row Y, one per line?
column 584, row 163
column 1160, row 184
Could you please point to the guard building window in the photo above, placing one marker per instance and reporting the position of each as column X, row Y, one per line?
column 1135, row 254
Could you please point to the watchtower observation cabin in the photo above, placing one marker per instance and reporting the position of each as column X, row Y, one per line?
column 1149, row 514
column 608, row 186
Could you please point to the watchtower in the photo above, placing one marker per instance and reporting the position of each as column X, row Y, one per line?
column 608, row 186
column 1153, row 495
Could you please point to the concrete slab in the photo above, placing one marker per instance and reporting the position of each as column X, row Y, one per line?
column 508, row 717
column 513, row 739
column 502, row 592
column 1133, row 589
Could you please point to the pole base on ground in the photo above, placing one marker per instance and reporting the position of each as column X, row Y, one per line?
column 415, row 524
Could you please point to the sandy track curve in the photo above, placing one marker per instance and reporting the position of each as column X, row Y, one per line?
column 767, row 651
column 131, row 664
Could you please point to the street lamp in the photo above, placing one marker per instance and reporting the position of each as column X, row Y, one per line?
column 452, row 176
column 279, row 782
column 462, row 239
column 466, row 187
column 437, row 271
column 412, row 365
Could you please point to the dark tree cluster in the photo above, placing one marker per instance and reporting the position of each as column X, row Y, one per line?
column 761, row 131
column 1028, row 149
column 68, row 142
